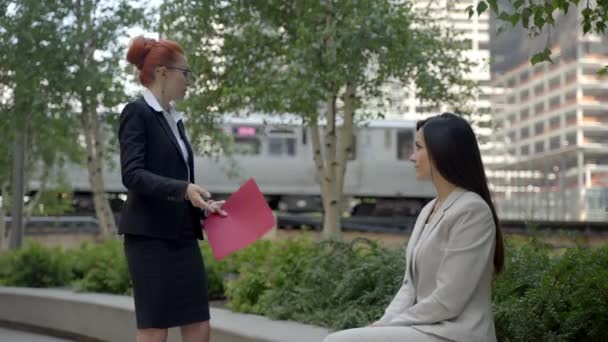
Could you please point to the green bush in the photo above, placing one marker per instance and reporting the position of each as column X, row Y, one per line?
column 543, row 295
column 335, row 284
column 216, row 271
column 101, row 268
column 567, row 302
column 5, row 266
column 37, row 266
column 246, row 275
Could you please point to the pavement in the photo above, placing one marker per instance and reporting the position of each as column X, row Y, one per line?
column 7, row 335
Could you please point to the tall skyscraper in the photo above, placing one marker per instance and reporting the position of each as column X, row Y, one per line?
column 552, row 135
column 475, row 32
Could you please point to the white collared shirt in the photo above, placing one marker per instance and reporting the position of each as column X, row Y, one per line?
column 172, row 118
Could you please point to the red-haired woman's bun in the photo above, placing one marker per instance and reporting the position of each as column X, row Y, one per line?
column 147, row 54
column 139, row 49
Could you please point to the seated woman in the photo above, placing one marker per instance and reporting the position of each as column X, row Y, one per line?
column 455, row 248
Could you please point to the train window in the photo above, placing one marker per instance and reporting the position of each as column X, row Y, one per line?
column 247, row 146
column 405, row 144
column 281, row 146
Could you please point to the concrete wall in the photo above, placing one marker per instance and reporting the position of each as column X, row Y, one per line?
column 103, row 317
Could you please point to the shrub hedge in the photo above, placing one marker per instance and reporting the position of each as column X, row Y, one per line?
column 542, row 295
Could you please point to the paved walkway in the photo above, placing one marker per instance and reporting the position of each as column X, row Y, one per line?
column 7, row 335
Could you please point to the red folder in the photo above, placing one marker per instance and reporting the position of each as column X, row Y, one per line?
column 249, row 217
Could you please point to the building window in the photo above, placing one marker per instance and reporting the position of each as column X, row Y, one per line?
column 539, row 89
column 539, row 147
column 571, row 76
column 554, row 143
column 554, row 102
column 511, row 137
column 426, row 109
column 554, row 123
column 524, row 150
column 524, row 95
column 571, row 118
column 539, row 68
column 571, row 96
column 524, row 114
column 539, row 108
column 570, row 139
column 554, row 83
column 539, row 128
column 525, row 133
column 484, row 110
column 524, row 76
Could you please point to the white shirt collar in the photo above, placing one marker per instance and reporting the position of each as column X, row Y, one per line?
column 153, row 102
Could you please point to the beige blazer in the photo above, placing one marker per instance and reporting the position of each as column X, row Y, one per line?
column 447, row 285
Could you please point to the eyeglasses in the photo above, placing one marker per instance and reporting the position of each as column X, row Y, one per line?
column 187, row 72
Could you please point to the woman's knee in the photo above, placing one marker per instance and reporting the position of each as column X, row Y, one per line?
column 339, row 336
column 149, row 335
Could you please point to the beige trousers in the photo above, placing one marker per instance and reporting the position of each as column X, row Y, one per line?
column 382, row 334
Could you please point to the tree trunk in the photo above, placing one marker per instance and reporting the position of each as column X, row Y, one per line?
column 3, row 216
column 324, row 176
column 331, row 201
column 90, row 125
column 346, row 138
column 18, row 192
column 330, row 195
column 91, row 130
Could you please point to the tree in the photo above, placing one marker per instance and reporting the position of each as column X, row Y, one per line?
column 93, row 52
column 62, row 80
column 31, row 100
column 325, row 61
column 539, row 16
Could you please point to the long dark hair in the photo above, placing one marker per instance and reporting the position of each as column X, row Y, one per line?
column 453, row 148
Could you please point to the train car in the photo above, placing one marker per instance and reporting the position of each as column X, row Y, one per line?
column 379, row 181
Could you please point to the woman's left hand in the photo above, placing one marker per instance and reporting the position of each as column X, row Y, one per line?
column 216, row 207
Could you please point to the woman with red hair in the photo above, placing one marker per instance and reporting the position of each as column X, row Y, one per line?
column 161, row 216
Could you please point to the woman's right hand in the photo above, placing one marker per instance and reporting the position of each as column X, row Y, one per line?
column 195, row 193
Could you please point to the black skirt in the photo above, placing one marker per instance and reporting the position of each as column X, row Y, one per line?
column 169, row 281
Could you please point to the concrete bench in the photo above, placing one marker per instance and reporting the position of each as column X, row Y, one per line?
column 104, row 317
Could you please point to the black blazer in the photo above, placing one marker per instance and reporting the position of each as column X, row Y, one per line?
column 155, row 174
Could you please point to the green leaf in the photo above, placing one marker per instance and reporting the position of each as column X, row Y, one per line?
column 544, row 56
column 586, row 26
column 482, row 6
column 539, row 19
column 504, row 16
column 470, row 11
column 518, row 3
column 603, row 71
column 525, row 17
column 600, row 27
column 514, row 19
column 493, row 5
